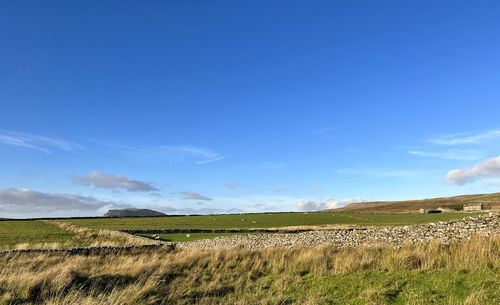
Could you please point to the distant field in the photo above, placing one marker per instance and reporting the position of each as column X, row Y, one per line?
column 178, row 237
column 267, row 220
column 36, row 233
column 33, row 232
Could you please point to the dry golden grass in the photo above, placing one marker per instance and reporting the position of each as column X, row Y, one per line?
column 54, row 245
column 102, row 237
column 241, row 276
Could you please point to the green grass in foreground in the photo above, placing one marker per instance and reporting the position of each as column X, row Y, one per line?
column 33, row 232
column 178, row 237
column 395, row 287
column 266, row 220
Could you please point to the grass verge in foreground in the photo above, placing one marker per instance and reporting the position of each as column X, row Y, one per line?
column 466, row 273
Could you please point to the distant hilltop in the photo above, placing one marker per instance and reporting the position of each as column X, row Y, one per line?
column 131, row 212
column 489, row 201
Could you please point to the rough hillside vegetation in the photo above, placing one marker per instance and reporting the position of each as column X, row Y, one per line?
column 491, row 201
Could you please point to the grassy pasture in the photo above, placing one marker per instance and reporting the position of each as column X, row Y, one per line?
column 34, row 233
column 39, row 234
column 265, row 220
column 177, row 237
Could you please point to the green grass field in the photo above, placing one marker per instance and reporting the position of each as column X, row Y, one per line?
column 267, row 220
column 36, row 233
column 33, row 232
column 177, row 237
column 400, row 287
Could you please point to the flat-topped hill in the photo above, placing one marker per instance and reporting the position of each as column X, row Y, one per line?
column 491, row 201
column 132, row 212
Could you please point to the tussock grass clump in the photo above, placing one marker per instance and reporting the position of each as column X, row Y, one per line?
column 466, row 273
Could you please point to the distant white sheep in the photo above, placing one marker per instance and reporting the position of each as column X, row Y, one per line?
column 188, row 235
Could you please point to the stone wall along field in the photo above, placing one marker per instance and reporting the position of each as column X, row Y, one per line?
column 445, row 232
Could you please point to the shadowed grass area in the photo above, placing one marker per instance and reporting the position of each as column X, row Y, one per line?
column 267, row 220
column 466, row 273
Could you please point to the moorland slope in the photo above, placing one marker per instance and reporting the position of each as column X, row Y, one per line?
column 491, row 201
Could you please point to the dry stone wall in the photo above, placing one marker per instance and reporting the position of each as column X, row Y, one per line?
column 170, row 231
column 445, row 232
column 88, row 250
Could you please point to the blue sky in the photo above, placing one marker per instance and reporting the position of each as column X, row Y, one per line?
column 230, row 106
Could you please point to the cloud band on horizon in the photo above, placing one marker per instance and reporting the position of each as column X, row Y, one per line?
column 328, row 203
column 16, row 200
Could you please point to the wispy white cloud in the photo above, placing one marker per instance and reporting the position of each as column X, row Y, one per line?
column 174, row 153
column 280, row 190
column 465, row 139
column 9, row 140
column 452, row 154
column 36, row 142
column 318, row 189
column 269, row 165
column 210, row 160
column 193, row 196
column 489, row 168
column 328, row 203
column 378, row 173
column 109, row 181
column 326, row 132
column 230, row 185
